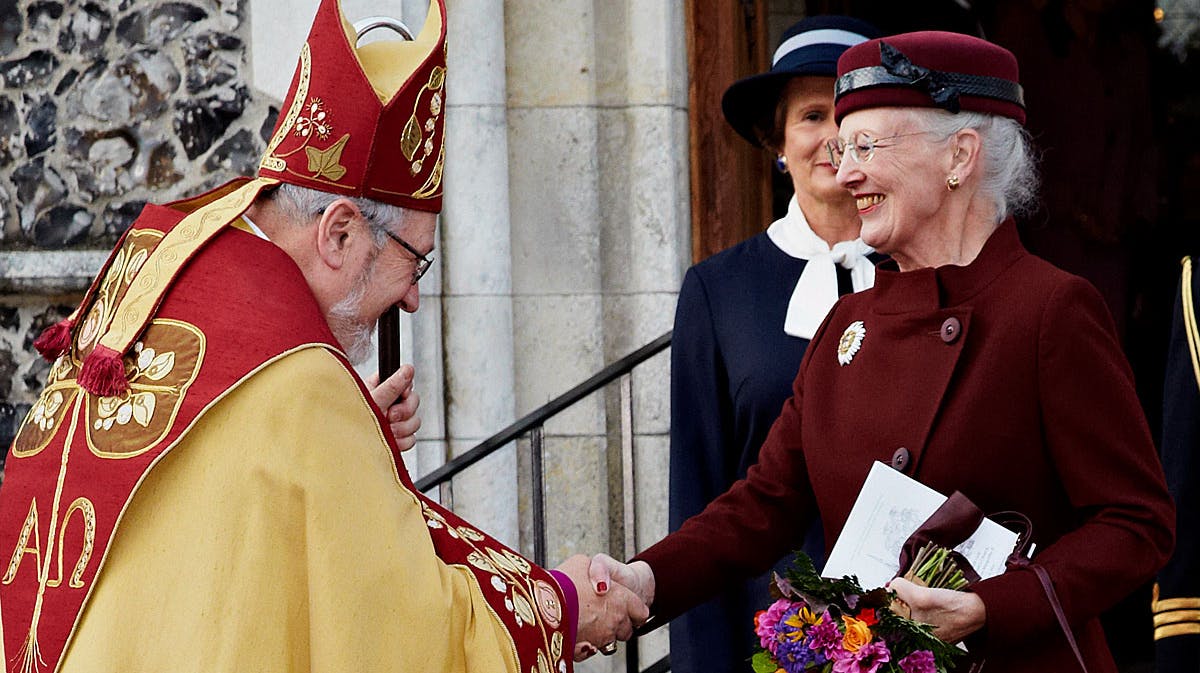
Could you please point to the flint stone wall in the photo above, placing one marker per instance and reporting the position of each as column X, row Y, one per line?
column 105, row 106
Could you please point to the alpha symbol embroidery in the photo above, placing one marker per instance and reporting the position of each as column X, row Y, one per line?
column 850, row 342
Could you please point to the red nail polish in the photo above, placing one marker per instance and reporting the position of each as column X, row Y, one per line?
column 602, row 587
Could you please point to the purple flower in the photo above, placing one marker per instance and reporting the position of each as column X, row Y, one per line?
column 765, row 621
column 920, row 661
column 825, row 637
column 867, row 659
column 796, row 656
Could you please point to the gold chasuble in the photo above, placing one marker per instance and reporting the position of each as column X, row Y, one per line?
column 238, row 503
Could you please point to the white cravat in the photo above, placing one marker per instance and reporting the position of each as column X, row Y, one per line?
column 817, row 290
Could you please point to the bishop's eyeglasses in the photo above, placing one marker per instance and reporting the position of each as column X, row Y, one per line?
column 423, row 261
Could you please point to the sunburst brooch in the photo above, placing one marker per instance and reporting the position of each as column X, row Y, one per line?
column 850, row 342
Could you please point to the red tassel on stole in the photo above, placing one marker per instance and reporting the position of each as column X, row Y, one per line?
column 54, row 340
column 103, row 373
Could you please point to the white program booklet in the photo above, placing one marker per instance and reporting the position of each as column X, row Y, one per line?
column 889, row 508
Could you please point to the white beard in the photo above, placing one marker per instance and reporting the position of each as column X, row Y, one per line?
column 353, row 335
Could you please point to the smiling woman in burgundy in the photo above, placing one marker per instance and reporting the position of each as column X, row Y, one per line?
column 970, row 366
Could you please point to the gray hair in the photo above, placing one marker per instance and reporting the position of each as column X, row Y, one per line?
column 1009, row 175
column 300, row 204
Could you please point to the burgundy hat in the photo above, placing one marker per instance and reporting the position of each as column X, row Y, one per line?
column 951, row 71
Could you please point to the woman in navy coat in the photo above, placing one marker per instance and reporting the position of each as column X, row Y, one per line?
column 971, row 366
column 746, row 314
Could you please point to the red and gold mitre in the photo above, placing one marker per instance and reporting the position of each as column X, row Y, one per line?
column 365, row 121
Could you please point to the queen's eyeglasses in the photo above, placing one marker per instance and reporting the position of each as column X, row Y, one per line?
column 861, row 147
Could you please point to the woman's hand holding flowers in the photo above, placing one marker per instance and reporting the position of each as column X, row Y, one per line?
column 953, row 614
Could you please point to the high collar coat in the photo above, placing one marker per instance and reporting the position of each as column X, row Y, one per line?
column 1002, row 379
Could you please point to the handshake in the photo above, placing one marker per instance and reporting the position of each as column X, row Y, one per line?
column 614, row 599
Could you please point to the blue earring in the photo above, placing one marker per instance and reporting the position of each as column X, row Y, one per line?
column 781, row 163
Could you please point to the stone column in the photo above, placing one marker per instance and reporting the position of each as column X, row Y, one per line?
column 645, row 231
column 598, row 146
column 556, row 216
column 477, row 307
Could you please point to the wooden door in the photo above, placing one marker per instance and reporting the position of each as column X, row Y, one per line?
column 730, row 190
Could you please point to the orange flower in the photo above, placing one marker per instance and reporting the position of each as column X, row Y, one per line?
column 858, row 634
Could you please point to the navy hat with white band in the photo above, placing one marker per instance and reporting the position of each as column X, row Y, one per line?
column 810, row 47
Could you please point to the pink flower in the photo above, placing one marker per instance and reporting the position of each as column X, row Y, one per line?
column 920, row 661
column 765, row 621
column 867, row 659
column 825, row 637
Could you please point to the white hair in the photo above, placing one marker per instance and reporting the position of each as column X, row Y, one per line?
column 1009, row 167
column 301, row 204
column 344, row 320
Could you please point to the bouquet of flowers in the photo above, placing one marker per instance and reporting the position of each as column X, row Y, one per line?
column 834, row 626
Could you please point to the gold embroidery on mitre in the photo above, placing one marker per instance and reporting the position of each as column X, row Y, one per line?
column 434, row 183
column 324, row 164
column 308, row 118
column 327, row 162
column 269, row 160
column 316, row 120
column 411, row 138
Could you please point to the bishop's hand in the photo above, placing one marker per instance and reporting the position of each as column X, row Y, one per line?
column 398, row 401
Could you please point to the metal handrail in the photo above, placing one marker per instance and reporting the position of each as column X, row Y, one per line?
column 532, row 423
column 543, row 413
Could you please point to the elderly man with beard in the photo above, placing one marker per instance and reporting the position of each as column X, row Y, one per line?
column 205, row 483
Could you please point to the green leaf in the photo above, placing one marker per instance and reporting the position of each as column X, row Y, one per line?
column 762, row 662
column 805, row 579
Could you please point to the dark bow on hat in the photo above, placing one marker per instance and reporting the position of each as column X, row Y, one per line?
column 943, row 93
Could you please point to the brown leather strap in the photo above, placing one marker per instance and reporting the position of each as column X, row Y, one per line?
column 956, row 519
column 1052, row 596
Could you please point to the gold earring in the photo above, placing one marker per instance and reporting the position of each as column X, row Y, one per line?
column 952, row 182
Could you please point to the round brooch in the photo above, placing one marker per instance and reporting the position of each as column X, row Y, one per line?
column 850, row 342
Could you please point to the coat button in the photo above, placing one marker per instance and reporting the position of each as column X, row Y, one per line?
column 901, row 458
column 951, row 328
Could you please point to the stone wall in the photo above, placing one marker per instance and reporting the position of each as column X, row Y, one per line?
column 103, row 107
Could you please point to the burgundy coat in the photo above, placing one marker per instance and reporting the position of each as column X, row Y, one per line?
column 1002, row 379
